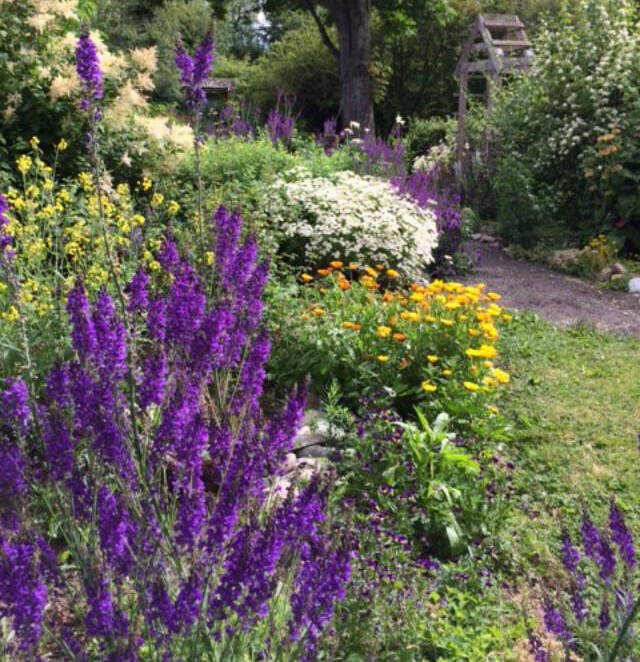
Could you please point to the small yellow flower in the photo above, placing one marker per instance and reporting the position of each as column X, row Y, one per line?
column 173, row 208
column 447, row 373
column 392, row 273
column 145, row 184
column 471, row 386
column 306, row 278
column 501, row 375
column 494, row 410
column 62, row 145
column 34, row 142
column 209, row 258
column 318, row 312
column 428, row 386
column 473, row 332
column 383, row 331
column 382, row 358
column 506, row 317
column 24, row 164
column 484, row 352
column 11, row 314
column 494, row 296
column 432, row 358
column 371, row 272
column 447, row 322
column 156, row 200
column 336, row 264
column 351, row 325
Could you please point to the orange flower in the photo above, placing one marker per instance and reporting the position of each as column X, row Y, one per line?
column 324, row 272
column 336, row 264
column 400, row 337
column 344, row 285
column 318, row 312
column 306, row 278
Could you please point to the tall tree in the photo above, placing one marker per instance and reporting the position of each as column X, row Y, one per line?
column 352, row 19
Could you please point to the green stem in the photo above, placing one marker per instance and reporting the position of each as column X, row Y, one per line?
column 623, row 632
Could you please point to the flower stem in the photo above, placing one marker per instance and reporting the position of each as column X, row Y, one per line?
column 623, row 632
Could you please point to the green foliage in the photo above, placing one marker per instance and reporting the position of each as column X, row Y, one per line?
column 300, row 65
column 425, row 134
column 584, row 86
column 408, row 344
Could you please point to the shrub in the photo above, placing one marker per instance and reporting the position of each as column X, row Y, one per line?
column 148, row 447
column 351, row 217
column 431, row 345
column 425, row 134
column 584, row 85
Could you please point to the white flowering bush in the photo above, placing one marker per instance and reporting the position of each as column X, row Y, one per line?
column 584, row 84
column 351, row 217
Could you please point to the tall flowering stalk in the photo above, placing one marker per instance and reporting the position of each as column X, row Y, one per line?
column 603, row 598
column 194, row 72
column 180, row 544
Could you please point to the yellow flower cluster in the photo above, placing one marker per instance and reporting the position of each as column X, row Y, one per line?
column 441, row 335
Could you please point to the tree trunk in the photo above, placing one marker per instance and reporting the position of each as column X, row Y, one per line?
column 354, row 44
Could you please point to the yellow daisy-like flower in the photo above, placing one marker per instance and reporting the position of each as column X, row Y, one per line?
column 470, row 386
column 383, row 358
column 383, row 331
column 432, row 358
column 447, row 373
column 34, row 142
column 173, row 208
column 493, row 296
column 306, row 278
column 447, row 322
column 428, row 387
column 156, row 200
column 392, row 273
column 483, row 352
column 501, row 375
column 62, row 145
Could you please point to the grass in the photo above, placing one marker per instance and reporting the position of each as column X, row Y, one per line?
column 574, row 411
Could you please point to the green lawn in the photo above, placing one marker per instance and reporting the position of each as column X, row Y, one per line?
column 574, row 409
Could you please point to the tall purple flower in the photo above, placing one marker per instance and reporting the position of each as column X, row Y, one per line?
column 621, row 535
column 194, row 71
column 88, row 68
column 5, row 238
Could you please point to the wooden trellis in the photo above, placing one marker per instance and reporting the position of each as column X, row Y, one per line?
column 497, row 44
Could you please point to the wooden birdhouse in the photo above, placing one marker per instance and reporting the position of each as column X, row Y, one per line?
column 497, row 44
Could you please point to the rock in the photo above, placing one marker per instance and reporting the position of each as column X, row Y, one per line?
column 605, row 274
column 618, row 269
column 564, row 259
column 634, row 285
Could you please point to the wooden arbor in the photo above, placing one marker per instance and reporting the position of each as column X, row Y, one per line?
column 497, row 44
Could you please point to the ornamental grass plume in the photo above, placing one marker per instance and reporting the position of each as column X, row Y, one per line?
column 151, row 450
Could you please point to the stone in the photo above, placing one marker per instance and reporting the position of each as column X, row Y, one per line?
column 634, row 285
column 605, row 274
column 618, row 269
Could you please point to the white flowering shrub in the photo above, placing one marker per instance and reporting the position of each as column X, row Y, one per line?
column 584, row 84
column 351, row 217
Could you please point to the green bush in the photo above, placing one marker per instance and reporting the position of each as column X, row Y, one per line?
column 584, row 84
column 423, row 134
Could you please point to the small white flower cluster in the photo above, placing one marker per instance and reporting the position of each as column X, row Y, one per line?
column 439, row 155
column 352, row 217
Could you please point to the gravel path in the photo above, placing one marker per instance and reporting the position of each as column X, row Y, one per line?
column 554, row 296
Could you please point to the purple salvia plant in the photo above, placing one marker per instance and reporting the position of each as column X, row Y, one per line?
column 281, row 123
column 194, row 72
column 621, row 535
column 88, row 68
column 186, row 536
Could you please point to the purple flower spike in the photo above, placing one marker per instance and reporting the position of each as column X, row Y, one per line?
column 555, row 622
column 621, row 535
column 194, row 72
column 88, row 68
column 570, row 555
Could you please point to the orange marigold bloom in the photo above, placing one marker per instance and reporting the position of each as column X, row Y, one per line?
column 318, row 312
column 400, row 337
column 336, row 264
column 344, row 285
column 324, row 272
